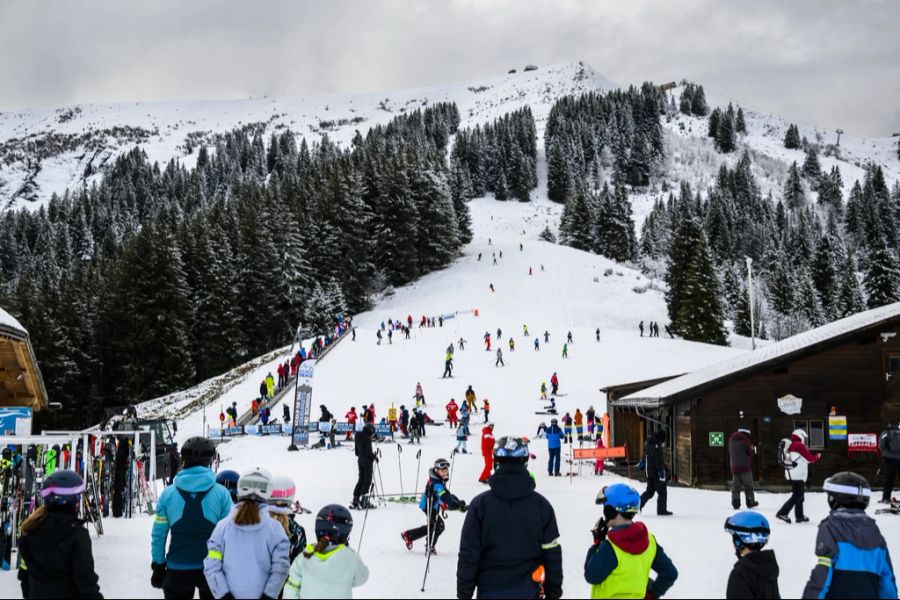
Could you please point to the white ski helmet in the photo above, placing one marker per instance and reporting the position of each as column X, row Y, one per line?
column 283, row 492
column 801, row 433
column 256, row 485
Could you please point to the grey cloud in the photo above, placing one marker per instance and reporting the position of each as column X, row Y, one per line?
column 827, row 62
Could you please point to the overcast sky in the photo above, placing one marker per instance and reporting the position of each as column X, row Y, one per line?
column 830, row 63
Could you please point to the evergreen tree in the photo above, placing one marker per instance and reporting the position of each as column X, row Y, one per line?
column 882, row 279
column 812, row 170
column 699, row 107
column 794, row 196
column 824, row 275
column 850, row 297
column 792, row 137
column 739, row 124
column 725, row 134
column 578, row 222
column 714, row 118
column 461, row 191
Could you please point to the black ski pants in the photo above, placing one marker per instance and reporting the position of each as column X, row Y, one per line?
column 798, row 491
column 180, row 585
column 364, row 481
column 437, row 528
column 659, row 488
column 891, row 468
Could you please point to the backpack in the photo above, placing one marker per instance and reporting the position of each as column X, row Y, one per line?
column 893, row 441
column 784, row 455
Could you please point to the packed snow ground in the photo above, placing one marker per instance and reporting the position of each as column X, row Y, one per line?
column 565, row 296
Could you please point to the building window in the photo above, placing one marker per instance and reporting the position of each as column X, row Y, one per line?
column 815, row 431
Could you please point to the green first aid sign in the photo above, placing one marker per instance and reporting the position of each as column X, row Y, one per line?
column 716, row 439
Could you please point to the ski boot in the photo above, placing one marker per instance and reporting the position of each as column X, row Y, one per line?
column 784, row 518
column 406, row 540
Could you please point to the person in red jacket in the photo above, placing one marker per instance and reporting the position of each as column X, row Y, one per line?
column 372, row 414
column 452, row 409
column 554, row 381
column 487, row 451
column 796, row 471
column 351, row 417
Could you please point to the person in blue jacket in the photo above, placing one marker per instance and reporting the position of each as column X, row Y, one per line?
column 436, row 499
column 853, row 558
column 510, row 540
column 187, row 513
column 554, row 445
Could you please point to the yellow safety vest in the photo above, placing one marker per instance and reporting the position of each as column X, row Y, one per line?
column 630, row 577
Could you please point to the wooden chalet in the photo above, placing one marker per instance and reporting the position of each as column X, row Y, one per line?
column 839, row 382
column 21, row 383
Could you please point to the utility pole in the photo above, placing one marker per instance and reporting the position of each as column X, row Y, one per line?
column 838, row 132
column 750, row 294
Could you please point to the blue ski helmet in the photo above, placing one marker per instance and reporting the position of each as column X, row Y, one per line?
column 335, row 523
column 229, row 480
column 621, row 497
column 63, row 488
column 511, row 450
column 748, row 528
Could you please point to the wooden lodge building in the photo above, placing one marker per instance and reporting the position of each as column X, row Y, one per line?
column 21, row 383
column 842, row 378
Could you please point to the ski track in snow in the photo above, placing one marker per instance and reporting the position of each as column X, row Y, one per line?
column 564, row 297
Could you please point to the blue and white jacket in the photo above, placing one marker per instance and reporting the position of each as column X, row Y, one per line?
column 188, row 511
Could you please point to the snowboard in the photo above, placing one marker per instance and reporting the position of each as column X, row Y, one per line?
column 546, row 413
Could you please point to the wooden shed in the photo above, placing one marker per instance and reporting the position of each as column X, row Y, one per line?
column 21, row 383
column 839, row 382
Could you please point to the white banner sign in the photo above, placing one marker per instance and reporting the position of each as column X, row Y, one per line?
column 790, row 404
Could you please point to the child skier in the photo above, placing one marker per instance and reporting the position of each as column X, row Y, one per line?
column 487, row 410
column 55, row 549
column 452, row 410
column 248, row 550
column 853, row 558
column 543, row 390
column 598, row 463
column 755, row 574
column 435, row 499
column 281, row 509
column 567, row 427
column 618, row 565
column 470, row 399
column 591, row 417
column 330, row 569
column 579, row 424
column 461, row 436
column 537, row 344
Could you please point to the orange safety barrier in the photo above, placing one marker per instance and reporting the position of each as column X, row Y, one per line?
column 594, row 453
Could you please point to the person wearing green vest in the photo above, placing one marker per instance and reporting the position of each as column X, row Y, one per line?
column 618, row 565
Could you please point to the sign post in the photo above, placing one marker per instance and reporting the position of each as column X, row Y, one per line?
column 302, row 404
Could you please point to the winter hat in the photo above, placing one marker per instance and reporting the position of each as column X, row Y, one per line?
column 283, row 492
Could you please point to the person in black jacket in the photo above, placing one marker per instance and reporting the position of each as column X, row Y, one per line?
column 55, row 548
column 755, row 574
column 326, row 415
column 435, row 501
column 657, row 473
column 365, row 460
column 510, row 541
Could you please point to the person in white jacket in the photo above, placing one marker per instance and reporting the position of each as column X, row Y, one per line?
column 796, row 470
column 248, row 550
column 330, row 569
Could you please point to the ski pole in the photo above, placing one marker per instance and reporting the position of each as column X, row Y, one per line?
column 418, row 468
column 365, row 518
column 452, row 462
column 380, row 480
column 427, row 539
column 400, row 466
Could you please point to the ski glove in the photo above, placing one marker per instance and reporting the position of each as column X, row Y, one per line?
column 663, row 475
column 599, row 531
column 159, row 575
column 462, row 506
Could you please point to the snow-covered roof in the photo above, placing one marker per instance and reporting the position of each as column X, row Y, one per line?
column 10, row 324
column 751, row 361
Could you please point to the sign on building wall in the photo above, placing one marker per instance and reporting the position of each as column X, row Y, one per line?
column 837, row 427
column 15, row 420
column 790, row 404
column 716, row 439
column 862, row 442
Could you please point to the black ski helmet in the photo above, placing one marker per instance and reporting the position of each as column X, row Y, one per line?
column 335, row 523
column 7, row 454
column 441, row 463
column 369, row 429
column 197, row 452
column 62, row 488
column 511, row 450
column 847, row 490
column 229, row 480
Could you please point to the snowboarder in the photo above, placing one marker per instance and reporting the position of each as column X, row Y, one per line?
column 499, row 362
column 433, row 501
column 740, row 454
column 512, row 345
column 618, row 565
column 554, row 447
column 554, row 382
column 365, row 460
column 510, row 540
column 248, row 551
column 487, row 451
column 755, row 574
column 470, row 399
column 56, row 558
column 657, row 473
column 565, row 352
column 889, row 445
column 187, row 511
column 461, row 437
column 452, row 410
column 853, row 560
column 331, row 568
column 796, row 470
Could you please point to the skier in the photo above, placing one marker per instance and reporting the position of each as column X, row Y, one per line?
column 529, row 271
column 479, row 257
column 452, row 409
column 228, row 479
column 330, row 569
column 755, row 574
column 492, row 285
column 541, row 430
column 669, row 332
column 286, row 413
column 657, row 474
column 567, row 428
column 579, row 424
column 448, row 366
column 270, row 386
column 470, row 399
column 263, row 390
column 404, row 421
column 462, row 344
column 378, row 335
column 461, row 437
column 554, row 447
column 419, row 396
column 591, row 417
column 487, row 341
column 641, row 327
column 512, row 344
column 409, row 320
column 740, row 453
column 281, row 508
column 501, row 253
column 365, row 461
column 537, row 344
column 618, row 565
column 414, row 437
column 796, row 470
column 509, row 546
column 554, row 382
column 853, row 558
column 525, row 330
column 569, row 337
column 499, row 334
column 520, row 246
column 436, row 499
column 889, row 445
column 598, row 463
column 543, row 390
column 390, row 336
column 487, row 451
column 598, row 334
column 546, row 337
column 55, row 555
column 464, row 416
column 351, row 417
column 552, row 408
column 248, row 551
column 487, row 410
column 187, row 511
column 499, row 362
column 565, row 352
